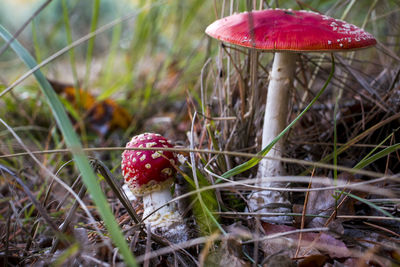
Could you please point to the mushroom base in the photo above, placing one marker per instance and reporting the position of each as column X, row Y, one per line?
column 271, row 203
column 166, row 221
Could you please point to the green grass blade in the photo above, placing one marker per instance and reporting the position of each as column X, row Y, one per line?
column 254, row 161
column 205, row 204
column 374, row 149
column 335, row 155
column 35, row 40
column 363, row 163
column 71, row 52
column 108, row 70
column 193, row 10
column 366, row 202
column 73, row 143
column 89, row 54
column 67, row 254
column 347, row 145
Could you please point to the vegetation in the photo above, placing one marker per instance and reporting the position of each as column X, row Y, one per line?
column 113, row 69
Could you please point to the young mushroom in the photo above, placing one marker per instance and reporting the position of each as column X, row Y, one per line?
column 150, row 173
column 285, row 32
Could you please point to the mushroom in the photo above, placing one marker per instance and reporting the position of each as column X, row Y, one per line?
column 285, row 32
column 150, row 173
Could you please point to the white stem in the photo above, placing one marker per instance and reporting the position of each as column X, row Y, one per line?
column 166, row 221
column 276, row 112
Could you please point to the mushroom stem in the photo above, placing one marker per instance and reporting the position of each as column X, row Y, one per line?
column 166, row 221
column 276, row 112
column 154, row 200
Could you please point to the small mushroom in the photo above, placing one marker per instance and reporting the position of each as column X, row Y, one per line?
column 150, row 173
column 285, row 32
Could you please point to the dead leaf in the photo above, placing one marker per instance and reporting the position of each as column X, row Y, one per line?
column 279, row 260
column 323, row 203
column 101, row 116
column 313, row 261
column 320, row 242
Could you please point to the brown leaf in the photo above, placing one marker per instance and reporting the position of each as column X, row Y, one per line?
column 313, row 261
column 279, row 260
column 323, row 203
column 101, row 116
column 321, row 242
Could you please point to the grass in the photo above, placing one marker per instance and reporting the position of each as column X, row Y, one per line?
column 153, row 59
column 72, row 142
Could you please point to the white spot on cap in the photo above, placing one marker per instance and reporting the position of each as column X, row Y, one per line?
column 142, row 157
column 151, row 144
column 245, row 39
column 155, row 155
column 329, row 42
column 148, row 166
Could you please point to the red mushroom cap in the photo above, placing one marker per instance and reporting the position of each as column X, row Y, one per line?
column 148, row 170
column 289, row 30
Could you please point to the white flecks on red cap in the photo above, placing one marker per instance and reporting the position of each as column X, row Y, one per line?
column 289, row 30
column 148, row 169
